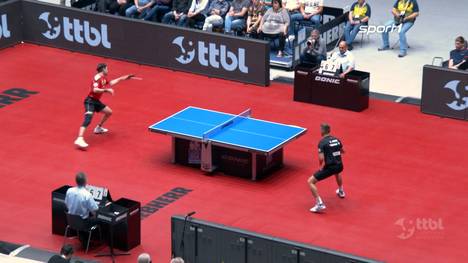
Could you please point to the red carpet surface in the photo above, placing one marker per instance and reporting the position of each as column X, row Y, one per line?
column 405, row 172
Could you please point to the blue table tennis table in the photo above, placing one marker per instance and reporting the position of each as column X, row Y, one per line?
column 231, row 143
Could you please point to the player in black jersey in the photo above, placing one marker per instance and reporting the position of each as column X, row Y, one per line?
column 330, row 149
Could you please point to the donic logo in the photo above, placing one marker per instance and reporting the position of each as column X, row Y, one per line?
column 75, row 30
column 4, row 32
column 185, row 57
column 459, row 103
column 211, row 55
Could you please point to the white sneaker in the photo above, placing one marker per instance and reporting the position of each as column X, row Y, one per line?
column 99, row 130
column 80, row 142
column 317, row 208
column 340, row 194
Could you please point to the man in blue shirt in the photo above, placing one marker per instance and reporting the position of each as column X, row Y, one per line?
column 404, row 15
column 459, row 55
column 79, row 201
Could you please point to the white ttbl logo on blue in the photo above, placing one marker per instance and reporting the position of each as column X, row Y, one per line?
column 75, row 30
column 210, row 55
column 4, row 32
column 460, row 103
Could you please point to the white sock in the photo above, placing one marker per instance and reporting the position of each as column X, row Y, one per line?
column 319, row 200
column 340, row 188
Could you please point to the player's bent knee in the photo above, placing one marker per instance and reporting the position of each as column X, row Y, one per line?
column 312, row 180
column 87, row 119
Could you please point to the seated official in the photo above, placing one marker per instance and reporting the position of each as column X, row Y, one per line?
column 216, row 12
column 80, row 202
column 197, row 12
column 275, row 24
column 459, row 55
column 316, row 49
column 344, row 58
column 404, row 14
column 254, row 18
column 178, row 15
column 359, row 15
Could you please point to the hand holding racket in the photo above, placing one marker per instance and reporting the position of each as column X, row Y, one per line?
column 133, row 76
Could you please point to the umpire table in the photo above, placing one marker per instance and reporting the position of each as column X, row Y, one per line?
column 233, row 144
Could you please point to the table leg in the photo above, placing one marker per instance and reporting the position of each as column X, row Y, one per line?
column 254, row 166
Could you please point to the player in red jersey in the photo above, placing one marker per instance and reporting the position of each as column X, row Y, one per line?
column 93, row 104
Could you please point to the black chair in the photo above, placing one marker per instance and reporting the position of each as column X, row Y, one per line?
column 75, row 222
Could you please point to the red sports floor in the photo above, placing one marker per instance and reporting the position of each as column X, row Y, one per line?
column 402, row 168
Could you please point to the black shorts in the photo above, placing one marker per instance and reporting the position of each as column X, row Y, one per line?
column 328, row 171
column 93, row 105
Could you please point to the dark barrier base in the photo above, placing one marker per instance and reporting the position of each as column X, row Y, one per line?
column 207, row 242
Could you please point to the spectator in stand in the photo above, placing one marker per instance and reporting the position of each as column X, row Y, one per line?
column 178, row 15
column 197, row 12
column 459, row 55
column 311, row 10
column 293, row 7
column 235, row 18
column 113, row 6
column 216, row 12
column 140, row 8
column 274, row 24
column 404, row 13
column 267, row 4
column 255, row 14
column 359, row 15
column 156, row 12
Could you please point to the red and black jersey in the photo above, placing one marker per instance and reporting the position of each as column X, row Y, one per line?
column 99, row 81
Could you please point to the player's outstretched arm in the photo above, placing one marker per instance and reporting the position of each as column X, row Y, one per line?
column 117, row 80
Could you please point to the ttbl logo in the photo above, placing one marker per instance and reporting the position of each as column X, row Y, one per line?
column 460, row 103
column 4, row 32
column 210, row 55
column 75, row 30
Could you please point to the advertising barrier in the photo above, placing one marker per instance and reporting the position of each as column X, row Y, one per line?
column 10, row 24
column 194, row 51
column 445, row 92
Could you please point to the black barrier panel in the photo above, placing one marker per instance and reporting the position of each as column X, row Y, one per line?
column 221, row 243
column 332, row 31
column 210, row 54
column 10, row 24
column 445, row 92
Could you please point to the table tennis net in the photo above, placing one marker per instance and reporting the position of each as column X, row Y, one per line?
column 232, row 121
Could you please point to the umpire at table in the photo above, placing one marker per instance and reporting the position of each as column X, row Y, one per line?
column 79, row 201
column 330, row 149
